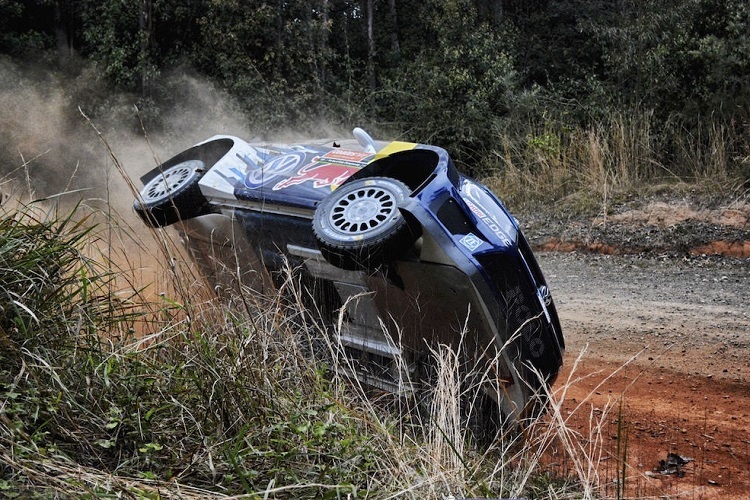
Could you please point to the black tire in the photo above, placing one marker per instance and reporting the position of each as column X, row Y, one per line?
column 359, row 226
column 172, row 195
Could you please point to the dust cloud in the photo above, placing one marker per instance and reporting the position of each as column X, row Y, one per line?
column 66, row 139
column 60, row 129
column 62, row 136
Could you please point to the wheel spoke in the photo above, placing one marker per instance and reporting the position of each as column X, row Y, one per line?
column 363, row 210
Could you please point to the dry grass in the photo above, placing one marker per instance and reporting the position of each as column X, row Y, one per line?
column 585, row 169
column 156, row 385
column 196, row 397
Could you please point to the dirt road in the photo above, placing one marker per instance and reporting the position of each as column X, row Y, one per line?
column 670, row 338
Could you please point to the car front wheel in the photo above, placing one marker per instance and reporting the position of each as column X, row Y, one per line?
column 359, row 226
column 172, row 195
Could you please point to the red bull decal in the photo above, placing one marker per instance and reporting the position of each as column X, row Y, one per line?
column 320, row 174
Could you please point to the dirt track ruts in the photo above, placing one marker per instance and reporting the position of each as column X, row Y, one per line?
column 678, row 330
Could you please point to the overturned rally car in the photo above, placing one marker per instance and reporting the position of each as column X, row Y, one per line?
column 389, row 231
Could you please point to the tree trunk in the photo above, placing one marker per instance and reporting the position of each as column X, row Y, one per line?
column 323, row 50
column 393, row 21
column 280, row 37
column 309, row 20
column 490, row 11
column 67, row 20
column 146, row 28
column 369, row 15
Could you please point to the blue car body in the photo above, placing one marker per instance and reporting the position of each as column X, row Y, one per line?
column 466, row 277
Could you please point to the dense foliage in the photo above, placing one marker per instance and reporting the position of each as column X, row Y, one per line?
column 457, row 72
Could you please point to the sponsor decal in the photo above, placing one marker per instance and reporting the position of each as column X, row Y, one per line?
column 297, row 167
column 345, row 157
column 256, row 177
column 488, row 221
column 320, row 174
column 545, row 295
column 474, row 202
column 471, row 242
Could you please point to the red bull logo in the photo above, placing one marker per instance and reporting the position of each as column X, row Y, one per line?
column 320, row 174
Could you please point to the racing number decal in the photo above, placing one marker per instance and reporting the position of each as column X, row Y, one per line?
column 471, row 242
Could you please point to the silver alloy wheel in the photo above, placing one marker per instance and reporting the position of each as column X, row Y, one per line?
column 169, row 181
column 363, row 211
column 360, row 226
column 172, row 194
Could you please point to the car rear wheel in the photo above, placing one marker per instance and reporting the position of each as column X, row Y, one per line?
column 359, row 226
column 172, row 195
